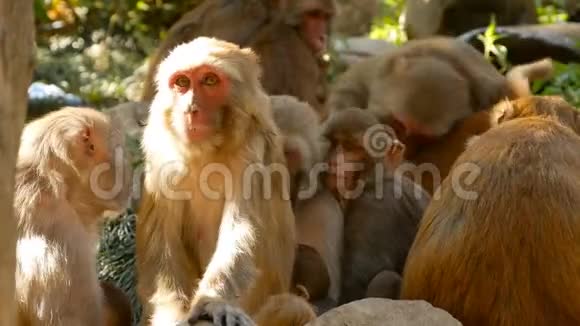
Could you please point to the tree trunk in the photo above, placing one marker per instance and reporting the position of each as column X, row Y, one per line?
column 16, row 65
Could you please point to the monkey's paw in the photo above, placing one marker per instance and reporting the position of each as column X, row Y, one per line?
column 220, row 314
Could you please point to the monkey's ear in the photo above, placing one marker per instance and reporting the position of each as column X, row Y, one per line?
column 302, row 292
column 502, row 112
column 87, row 139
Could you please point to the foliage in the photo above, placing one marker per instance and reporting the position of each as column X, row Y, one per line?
column 551, row 14
column 93, row 48
column 566, row 83
column 386, row 25
column 494, row 52
column 116, row 257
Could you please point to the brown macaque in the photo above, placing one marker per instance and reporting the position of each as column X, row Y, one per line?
column 215, row 233
column 382, row 208
column 537, row 106
column 319, row 218
column 425, row 19
column 117, row 306
column 500, row 246
column 68, row 175
column 288, row 36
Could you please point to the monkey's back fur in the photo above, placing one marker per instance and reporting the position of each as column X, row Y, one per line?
column 511, row 256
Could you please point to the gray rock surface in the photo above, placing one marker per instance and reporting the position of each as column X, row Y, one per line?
column 385, row 312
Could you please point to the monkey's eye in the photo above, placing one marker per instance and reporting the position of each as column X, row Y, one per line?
column 210, row 79
column 182, row 82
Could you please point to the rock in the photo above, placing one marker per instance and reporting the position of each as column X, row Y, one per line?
column 385, row 312
column 354, row 49
column 43, row 98
column 533, row 42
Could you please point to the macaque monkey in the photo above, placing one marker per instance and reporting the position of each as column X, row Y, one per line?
column 215, row 239
column 290, row 38
column 68, row 174
column 425, row 87
column 425, row 19
column 421, row 79
column 319, row 218
column 382, row 208
column 500, row 246
column 435, row 128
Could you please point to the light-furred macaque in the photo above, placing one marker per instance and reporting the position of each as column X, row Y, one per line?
column 382, row 208
column 319, row 218
column 422, row 119
column 435, row 151
column 426, row 86
column 215, row 232
column 500, row 246
column 69, row 173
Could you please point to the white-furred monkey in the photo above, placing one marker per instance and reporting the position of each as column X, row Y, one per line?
column 319, row 218
column 67, row 175
column 213, row 236
column 382, row 208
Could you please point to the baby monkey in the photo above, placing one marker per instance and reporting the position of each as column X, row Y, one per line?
column 382, row 209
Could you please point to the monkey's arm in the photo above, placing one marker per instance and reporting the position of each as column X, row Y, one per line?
column 162, row 265
column 232, row 268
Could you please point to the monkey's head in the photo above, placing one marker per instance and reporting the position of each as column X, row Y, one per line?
column 208, row 95
column 530, row 106
column 424, row 95
column 312, row 18
column 298, row 124
column 84, row 150
column 356, row 141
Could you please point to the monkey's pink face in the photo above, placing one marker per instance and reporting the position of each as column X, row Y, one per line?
column 201, row 96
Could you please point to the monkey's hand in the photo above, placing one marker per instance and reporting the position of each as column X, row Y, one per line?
column 219, row 312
